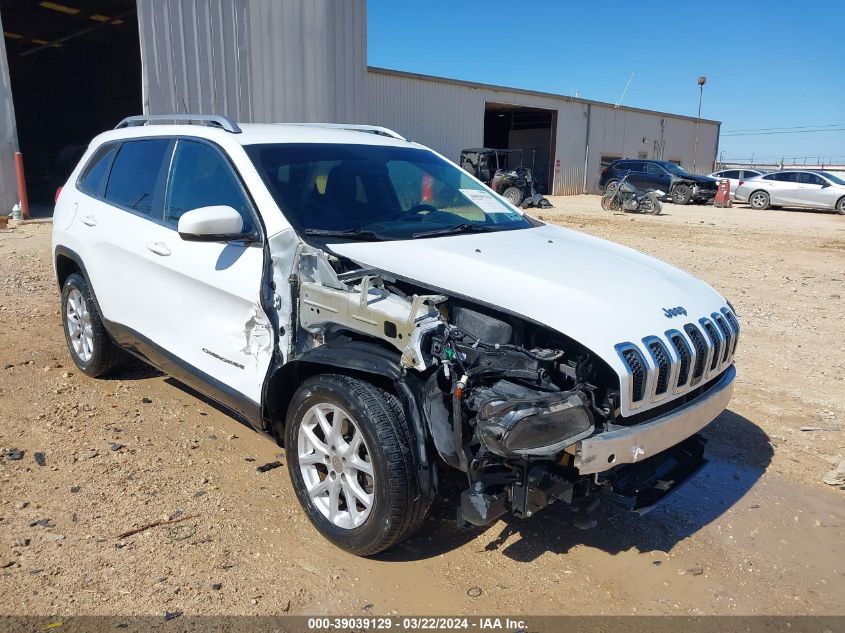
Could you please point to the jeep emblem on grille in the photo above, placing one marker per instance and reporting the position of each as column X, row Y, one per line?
column 673, row 312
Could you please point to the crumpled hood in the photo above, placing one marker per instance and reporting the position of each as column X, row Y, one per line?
column 696, row 178
column 594, row 291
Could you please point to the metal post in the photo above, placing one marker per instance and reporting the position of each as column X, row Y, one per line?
column 701, row 82
column 21, row 185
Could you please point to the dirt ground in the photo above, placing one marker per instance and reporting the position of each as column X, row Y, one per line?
column 756, row 532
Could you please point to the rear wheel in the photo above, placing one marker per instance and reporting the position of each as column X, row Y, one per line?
column 513, row 195
column 92, row 350
column 840, row 206
column 681, row 194
column 611, row 187
column 350, row 460
column 759, row 200
column 650, row 204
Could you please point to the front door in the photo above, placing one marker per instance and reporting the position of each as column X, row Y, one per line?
column 204, row 298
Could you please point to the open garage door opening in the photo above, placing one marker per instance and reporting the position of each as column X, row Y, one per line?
column 75, row 71
column 531, row 130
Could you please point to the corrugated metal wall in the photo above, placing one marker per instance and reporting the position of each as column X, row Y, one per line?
column 194, row 57
column 8, row 137
column 449, row 116
column 308, row 60
column 255, row 60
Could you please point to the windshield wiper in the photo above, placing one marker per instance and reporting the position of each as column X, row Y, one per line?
column 454, row 230
column 348, row 233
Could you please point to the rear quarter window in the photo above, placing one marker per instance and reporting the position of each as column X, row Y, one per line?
column 92, row 180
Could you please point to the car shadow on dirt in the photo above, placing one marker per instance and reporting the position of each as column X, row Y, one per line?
column 739, row 452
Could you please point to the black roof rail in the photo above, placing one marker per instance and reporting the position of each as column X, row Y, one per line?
column 212, row 120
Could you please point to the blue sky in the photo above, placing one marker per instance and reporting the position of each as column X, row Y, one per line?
column 775, row 64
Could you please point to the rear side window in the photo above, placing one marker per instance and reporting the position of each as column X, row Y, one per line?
column 135, row 174
column 93, row 177
column 622, row 166
column 749, row 174
column 787, row 176
column 201, row 177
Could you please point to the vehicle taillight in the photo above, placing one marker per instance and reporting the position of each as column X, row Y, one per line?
column 58, row 193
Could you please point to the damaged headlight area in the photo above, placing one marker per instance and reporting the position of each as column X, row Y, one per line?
column 513, row 420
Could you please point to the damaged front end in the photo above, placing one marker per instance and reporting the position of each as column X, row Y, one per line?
column 504, row 400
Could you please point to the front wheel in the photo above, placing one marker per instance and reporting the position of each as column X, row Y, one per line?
column 350, row 460
column 682, row 194
column 513, row 195
column 840, row 206
column 92, row 350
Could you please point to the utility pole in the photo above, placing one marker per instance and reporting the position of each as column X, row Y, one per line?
column 701, row 82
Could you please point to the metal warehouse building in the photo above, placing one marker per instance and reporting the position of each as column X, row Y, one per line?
column 70, row 69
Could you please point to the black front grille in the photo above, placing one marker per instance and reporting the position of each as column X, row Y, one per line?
column 684, row 356
column 638, row 373
column 715, row 341
column 700, row 350
column 727, row 334
column 735, row 325
column 661, row 359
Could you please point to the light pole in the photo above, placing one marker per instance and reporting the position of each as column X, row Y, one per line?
column 701, row 82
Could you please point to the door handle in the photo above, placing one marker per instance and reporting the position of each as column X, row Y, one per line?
column 159, row 248
column 88, row 220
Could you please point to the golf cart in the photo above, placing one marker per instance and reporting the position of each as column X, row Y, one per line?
column 492, row 167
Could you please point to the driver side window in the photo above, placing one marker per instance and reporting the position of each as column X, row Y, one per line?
column 201, row 177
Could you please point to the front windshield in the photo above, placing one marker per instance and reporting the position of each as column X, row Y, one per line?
column 672, row 168
column 377, row 192
column 836, row 180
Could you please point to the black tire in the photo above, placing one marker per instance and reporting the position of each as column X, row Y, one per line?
column 759, row 200
column 513, row 195
column 399, row 505
column 681, row 194
column 840, row 206
column 651, row 205
column 105, row 356
column 609, row 203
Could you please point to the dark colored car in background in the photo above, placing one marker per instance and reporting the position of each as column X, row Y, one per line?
column 660, row 176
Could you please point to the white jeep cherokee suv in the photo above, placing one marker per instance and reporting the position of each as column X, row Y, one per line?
column 381, row 313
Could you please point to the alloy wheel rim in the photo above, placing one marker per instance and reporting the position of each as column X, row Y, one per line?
column 758, row 200
column 78, row 323
column 334, row 461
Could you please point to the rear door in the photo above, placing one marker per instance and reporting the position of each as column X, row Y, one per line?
column 657, row 178
column 637, row 175
column 202, row 300
column 116, row 223
column 784, row 190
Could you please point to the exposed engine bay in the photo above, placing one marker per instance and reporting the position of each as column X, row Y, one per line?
column 504, row 400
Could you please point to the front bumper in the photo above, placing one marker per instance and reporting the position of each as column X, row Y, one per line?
column 628, row 445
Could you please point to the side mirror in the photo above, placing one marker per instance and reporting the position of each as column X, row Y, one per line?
column 211, row 224
column 825, row 185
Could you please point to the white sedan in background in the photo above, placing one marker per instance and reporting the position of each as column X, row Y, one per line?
column 793, row 188
column 736, row 176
